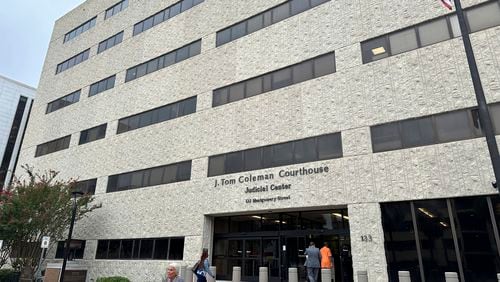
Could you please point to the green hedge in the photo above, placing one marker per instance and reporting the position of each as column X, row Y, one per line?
column 8, row 275
column 113, row 279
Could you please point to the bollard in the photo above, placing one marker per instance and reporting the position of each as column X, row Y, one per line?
column 182, row 272
column 293, row 275
column 363, row 276
column 498, row 277
column 188, row 275
column 236, row 274
column 263, row 274
column 210, row 278
column 404, row 276
column 326, row 275
column 451, row 277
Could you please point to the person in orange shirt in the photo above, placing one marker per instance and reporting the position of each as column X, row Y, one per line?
column 326, row 257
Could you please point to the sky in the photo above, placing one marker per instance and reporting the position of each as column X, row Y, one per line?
column 25, row 31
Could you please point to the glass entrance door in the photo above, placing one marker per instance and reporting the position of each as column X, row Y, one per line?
column 277, row 241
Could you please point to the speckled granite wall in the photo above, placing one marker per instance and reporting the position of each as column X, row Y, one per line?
column 421, row 82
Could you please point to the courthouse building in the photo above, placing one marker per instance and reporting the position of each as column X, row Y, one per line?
column 253, row 127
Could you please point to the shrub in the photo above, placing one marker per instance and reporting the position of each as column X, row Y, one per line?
column 9, row 275
column 113, row 279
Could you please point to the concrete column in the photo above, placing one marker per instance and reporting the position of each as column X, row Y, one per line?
column 365, row 221
column 188, row 275
column 236, row 274
column 451, row 277
column 326, row 275
column 293, row 275
column 263, row 274
column 404, row 276
column 213, row 269
column 362, row 276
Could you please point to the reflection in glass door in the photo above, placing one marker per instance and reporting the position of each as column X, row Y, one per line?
column 251, row 256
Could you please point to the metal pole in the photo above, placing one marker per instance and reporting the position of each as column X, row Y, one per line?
column 70, row 233
column 484, row 115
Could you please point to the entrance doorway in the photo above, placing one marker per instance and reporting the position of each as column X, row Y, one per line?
column 278, row 241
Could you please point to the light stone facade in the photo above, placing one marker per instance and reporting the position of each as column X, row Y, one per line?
column 11, row 92
column 425, row 81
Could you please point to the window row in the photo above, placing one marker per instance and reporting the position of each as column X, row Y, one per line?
column 76, row 249
column 115, row 9
column 53, row 146
column 151, row 176
column 164, row 61
column 102, row 85
column 63, row 102
column 305, row 220
column 86, row 186
column 443, row 28
column 157, row 248
column 294, row 152
column 312, row 68
column 110, row 42
column 435, row 129
column 73, row 61
column 80, row 29
column 264, row 19
column 92, row 134
column 157, row 115
column 164, row 15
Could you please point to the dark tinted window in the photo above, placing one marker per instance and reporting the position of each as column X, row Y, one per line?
column 93, row 134
column 146, row 251
column 86, row 186
column 176, row 249
column 110, row 42
column 165, row 60
column 63, row 102
column 53, row 146
column 149, row 177
column 305, row 150
column 102, row 85
column 312, row 68
column 478, row 17
column 126, row 249
column 400, row 243
column 102, row 249
column 157, row 115
column 165, row 14
column 76, row 249
column 115, row 9
column 159, row 248
column 266, row 18
column 80, row 29
column 73, row 61
column 440, row 128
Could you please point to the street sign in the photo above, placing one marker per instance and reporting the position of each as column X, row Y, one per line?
column 45, row 242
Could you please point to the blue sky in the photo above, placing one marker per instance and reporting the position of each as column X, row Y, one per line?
column 25, row 30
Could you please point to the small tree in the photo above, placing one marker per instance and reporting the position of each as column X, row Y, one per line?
column 33, row 208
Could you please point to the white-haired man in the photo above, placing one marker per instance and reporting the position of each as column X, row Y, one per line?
column 173, row 273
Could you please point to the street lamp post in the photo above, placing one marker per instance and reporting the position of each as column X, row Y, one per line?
column 484, row 115
column 70, row 233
